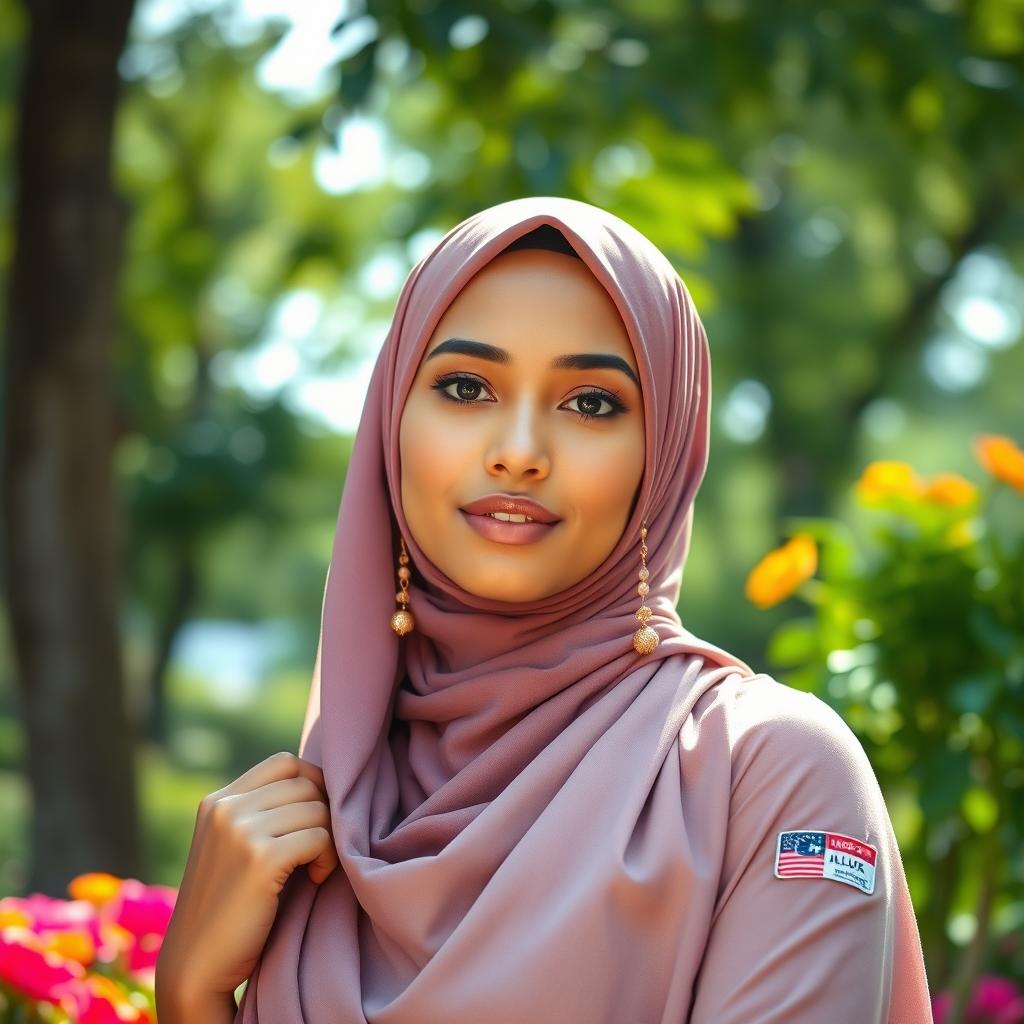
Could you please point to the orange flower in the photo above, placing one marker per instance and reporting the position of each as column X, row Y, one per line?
column 1002, row 458
column 779, row 573
column 72, row 945
column 11, row 918
column 97, row 887
column 887, row 478
column 99, row 998
column 950, row 489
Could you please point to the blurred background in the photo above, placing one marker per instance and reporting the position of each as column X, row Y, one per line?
column 208, row 209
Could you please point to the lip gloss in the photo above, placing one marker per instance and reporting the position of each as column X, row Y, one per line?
column 506, row 533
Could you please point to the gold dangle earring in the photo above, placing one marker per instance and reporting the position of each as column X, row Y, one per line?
column 645, row 639
column 402, row 621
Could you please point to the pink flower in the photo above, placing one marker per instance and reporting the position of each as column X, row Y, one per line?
column 50, row 914
column 32, row 970
column 144, row 911
column 97, row 999
column 995, row 1000
column 47, row 944
column 70, row 927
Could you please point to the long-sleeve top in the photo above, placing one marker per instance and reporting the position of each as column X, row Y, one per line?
column 789, row 942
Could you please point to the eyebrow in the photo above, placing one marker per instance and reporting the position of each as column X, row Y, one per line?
column 577, row 361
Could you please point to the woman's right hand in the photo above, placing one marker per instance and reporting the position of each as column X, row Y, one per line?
column 249, row 837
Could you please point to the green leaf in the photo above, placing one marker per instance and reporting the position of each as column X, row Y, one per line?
column 806, row 679
column 975, row 692
column 1011, row 723
column 990, row 632
column 357, row 76
column 980, row 809
column 943, row 775
column 793, row 643
column 836, row 543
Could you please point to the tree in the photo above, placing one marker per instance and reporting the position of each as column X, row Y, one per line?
column 61, row 532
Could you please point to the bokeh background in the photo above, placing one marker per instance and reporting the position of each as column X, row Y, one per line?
column 207, row 211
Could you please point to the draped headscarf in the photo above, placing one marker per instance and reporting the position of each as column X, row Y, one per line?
column 504, row 782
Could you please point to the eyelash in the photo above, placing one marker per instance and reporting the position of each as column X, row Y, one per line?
column 612, row 397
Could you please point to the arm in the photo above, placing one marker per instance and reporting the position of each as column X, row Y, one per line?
column 797, row 950
column 176, row 1006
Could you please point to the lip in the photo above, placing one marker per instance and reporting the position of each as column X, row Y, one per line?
column 506, row 533
column 516, row 505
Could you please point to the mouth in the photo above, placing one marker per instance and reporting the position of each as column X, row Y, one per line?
column 504, row 531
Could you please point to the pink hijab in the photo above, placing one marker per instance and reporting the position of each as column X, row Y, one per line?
column 530, row 824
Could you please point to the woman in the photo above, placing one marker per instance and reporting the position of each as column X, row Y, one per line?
column 525, row 791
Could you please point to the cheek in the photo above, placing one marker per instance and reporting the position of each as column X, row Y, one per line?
column 604, row 477
column 434, row 455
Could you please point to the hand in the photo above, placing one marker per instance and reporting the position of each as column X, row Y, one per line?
column 249, row 837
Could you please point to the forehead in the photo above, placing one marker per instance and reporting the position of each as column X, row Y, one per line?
column 537, row 297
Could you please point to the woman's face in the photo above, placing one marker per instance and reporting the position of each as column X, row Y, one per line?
column 570, row 438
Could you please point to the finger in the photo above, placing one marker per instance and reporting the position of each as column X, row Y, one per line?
column 312, row 772
column 270, row 769
column 277, row 794
column 311, row 846
column 282, row 765
column 293, row 817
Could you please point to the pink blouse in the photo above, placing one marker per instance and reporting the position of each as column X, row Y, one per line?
column 813, row 919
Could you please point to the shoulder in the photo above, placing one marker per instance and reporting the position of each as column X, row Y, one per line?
column 783, row 737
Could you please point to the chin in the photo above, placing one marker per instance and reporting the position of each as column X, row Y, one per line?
column 504, row 587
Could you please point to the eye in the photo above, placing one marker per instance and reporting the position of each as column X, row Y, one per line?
column 590, row 403
column 462, row 384
column 467, row 392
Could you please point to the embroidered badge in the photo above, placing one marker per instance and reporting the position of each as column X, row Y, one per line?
column 807, row 853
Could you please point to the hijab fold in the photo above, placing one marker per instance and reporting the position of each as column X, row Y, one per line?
column 504, row 782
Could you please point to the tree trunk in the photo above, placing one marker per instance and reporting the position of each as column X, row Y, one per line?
column 61, row 533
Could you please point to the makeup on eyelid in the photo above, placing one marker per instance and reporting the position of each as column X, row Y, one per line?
column 573, row 361
column 443, row 381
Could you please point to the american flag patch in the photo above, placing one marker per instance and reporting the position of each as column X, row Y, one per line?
column 808, row 853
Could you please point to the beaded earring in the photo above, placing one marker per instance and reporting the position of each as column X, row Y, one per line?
column 645, row 639
column 402, row 621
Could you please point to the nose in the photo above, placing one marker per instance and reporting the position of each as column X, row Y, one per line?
column 519, row 447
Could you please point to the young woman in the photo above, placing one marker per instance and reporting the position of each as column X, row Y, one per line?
column 525, row 791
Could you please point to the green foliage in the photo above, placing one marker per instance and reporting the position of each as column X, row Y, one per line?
column 820, row 176
column 917, row 639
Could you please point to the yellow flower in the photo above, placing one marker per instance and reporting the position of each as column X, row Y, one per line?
column 950, row 489
column 100, row 986
column 779, row 573
column 72, row 945
column 97, row 887
column 116, row 937
column 10, row 918
column 1002, row 458
column 887, row 478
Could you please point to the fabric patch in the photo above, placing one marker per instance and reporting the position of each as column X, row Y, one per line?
column 809, row 853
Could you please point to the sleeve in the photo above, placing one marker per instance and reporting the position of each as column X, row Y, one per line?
column 820, row 942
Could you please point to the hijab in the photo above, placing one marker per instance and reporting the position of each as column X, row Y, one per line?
column 504, row 782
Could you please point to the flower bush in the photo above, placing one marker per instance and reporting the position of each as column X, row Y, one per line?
column 916, row 636
column 90, row 959
column 995, row 1000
